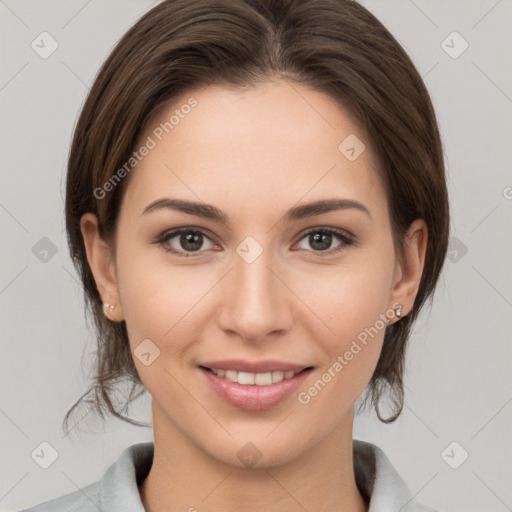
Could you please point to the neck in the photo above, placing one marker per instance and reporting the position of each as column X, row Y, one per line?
column 183, row 477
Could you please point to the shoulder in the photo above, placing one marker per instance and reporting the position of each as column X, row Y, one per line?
column 83, row 500
column 116, row 491
column 379, row 481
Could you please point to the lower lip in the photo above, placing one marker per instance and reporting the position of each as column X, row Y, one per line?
column 253, row 397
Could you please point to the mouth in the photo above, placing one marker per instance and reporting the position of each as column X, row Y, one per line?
column 255, row 379
column 254, row 391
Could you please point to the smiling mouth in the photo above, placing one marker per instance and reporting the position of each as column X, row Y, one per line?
column 255, row 379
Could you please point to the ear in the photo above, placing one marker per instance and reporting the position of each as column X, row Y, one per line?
column 408, row 272
column 101, row 262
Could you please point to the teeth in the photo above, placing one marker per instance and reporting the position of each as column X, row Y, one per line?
column 231, row 375
column 263, row 379
column 246, row 378
column 258, row 379
column 277, row 376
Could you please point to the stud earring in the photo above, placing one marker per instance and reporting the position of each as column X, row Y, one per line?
column 108, row 307
column 398, row 310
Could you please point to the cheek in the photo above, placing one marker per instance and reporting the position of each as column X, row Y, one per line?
column 161, row 301
column 350, row 297
column 352, row 303
column 166, row 305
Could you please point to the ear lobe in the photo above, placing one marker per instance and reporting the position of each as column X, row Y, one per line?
column 410, row 269
column 99, row 257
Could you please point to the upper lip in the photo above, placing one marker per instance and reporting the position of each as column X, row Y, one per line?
column 253, row 366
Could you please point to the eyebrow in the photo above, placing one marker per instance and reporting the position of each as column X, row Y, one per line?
column 209, row 211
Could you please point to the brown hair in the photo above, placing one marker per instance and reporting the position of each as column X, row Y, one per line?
column 335, row 46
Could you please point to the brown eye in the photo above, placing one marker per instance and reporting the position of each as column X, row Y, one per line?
column 322, row 240
column 185, row 241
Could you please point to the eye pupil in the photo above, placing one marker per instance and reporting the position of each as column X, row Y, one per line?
column 191, row 241
column 323, row 240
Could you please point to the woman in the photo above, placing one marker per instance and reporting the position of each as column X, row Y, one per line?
column 257, row 207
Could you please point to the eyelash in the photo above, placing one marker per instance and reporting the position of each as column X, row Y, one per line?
column 346, row 240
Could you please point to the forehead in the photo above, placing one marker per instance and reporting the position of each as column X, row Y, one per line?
column 276, row 142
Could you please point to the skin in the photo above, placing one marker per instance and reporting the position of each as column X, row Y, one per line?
column 254, row 154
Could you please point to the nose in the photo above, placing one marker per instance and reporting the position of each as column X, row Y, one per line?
column 255, row 301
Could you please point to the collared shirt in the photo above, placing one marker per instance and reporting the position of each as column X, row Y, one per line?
column 117, row 490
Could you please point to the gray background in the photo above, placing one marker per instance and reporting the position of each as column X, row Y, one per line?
column 458, row 380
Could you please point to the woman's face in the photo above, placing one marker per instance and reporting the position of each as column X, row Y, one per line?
column 271, row 281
